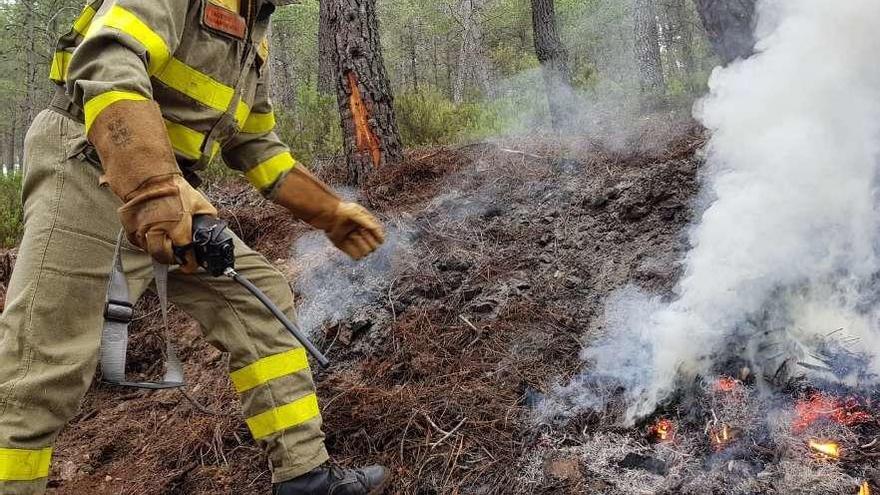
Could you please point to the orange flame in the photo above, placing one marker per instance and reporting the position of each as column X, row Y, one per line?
column 721, row 436
column 663, row 430
column 819, row 406
column 865, row 489
column 826, row 449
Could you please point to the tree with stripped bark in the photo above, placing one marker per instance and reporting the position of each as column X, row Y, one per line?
column 363, row 91
column 554, row 60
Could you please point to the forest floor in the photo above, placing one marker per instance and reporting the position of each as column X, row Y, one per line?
column 499, row 261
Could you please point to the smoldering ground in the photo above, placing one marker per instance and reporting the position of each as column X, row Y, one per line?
column 789, row 233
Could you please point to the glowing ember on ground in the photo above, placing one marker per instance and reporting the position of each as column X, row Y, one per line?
column 865, row 489
column 820, row 406
column 721, row 436
column 663, row 430
column 727, row 384
column 826, row 449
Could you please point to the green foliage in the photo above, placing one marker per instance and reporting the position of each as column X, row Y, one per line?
column 10, row 210
column 429, row 117
column 313, row 130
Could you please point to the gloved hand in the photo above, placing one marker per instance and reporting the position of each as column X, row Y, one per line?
column 140, row 167
column 158, row 216
column 353, row 230
column 349, row 226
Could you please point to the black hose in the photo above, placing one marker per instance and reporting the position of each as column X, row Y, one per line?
column 289, row 325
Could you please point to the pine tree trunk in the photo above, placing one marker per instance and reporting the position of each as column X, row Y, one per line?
column 554, row 61
column 473, row 68
column 326, row 46
column 647, row 47
column 369, row 125
column 730, row 27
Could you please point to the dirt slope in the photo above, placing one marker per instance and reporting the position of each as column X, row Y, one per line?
column 504, row 257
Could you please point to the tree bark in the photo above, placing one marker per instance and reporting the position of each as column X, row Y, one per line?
column 472, row 65
column 647, row 47
column 729, row 25
column 554, row 61
column 326, row 46
column 369, row 126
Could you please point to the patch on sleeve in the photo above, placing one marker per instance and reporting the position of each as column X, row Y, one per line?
column 225, row 21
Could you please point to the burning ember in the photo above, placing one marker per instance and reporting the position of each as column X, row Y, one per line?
column 663, row 430
column 721, row 436
column 726, row 384
column 819, row 406
column 865, row 489
column 829, row 450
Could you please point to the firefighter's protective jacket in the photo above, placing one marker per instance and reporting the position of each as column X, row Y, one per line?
column 203, row 61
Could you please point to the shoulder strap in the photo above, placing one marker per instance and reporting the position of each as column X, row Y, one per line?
column 118, row 313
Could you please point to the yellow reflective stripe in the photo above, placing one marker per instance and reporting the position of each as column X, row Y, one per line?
column 269, row 368
column 188, row 142
column 265, row 174
column 60, row 65
column 284, row 417
column 24, row 465
column 242, row 113
column 81, row 25
column 123, row 20
column 185, row 140
column 96, row 105
column 198, row 86
column 259, row 123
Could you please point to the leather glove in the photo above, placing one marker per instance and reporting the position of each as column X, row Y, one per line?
column 349, row 226
column 158, row 217
column 140, row 168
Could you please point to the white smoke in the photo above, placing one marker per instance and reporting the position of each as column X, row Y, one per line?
column 789, row 238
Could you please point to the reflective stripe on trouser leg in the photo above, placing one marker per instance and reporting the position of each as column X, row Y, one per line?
column 50, row 328
column 268, row 367
column 24, row 464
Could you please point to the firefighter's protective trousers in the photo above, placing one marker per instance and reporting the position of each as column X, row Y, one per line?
column 50, row 330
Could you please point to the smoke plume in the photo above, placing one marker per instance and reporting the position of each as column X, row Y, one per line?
column 786, row 247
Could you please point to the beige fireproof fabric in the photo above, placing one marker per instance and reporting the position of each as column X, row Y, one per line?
column 50, row 329
column 204, row 64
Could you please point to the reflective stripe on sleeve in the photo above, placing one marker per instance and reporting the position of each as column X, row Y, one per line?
column 96, row 105
column 188, row 142
column 60, row 65
column 24, row 465
column 198, row 86
column 265, row 174
column 82, row 23
column 269, row 368
column 259, row 123
column 123, row 20
column 281, row 418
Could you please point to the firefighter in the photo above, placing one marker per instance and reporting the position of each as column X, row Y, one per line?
column 149, row 93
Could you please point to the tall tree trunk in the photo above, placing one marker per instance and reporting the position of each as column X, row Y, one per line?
column 554, row 61
column 326, row 46
column 730, row 27
column 647, row 47
column 362, row 89
column 413, row 56
column 472, row 65
column 682, row 16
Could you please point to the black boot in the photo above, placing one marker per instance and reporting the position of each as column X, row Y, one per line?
column 332, row 480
